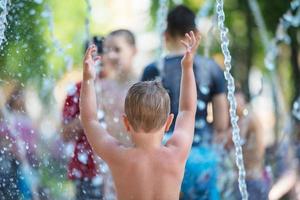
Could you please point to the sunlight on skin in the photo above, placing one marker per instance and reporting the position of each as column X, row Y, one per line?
column 283, row 185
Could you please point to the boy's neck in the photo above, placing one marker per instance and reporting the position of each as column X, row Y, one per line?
column 147, row 141
column 175, row 47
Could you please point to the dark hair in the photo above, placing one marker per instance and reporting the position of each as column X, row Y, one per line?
column 180, row 21
column 98, row 41
column 127, row 34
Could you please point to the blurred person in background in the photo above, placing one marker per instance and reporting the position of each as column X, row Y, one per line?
column 251, row 132
column 287, row 182
column 23, row 138
column 118, row 58
column 10, row 164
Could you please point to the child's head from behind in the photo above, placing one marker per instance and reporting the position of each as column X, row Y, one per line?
column 120, row 49
column 147, row 107
column 180, row 20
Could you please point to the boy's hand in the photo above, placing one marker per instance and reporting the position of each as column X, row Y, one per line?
column 89, row 62
column 191, row 43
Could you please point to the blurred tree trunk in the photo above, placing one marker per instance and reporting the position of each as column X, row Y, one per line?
column 295, row 63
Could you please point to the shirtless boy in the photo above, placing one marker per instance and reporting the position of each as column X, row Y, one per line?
column 148, row 169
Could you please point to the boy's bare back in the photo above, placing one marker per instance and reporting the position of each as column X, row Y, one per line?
column 154, row 174
column 148, row 169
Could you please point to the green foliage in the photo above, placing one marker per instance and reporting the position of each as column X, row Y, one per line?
column 24, row 55
column 272, row 11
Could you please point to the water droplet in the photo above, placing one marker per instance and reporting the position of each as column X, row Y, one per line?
column 100, row 115
column 116, row 119
column 204, row 90
column 201, row 105
column 83, row 157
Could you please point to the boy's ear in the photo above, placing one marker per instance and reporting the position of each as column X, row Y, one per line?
column 126, row 123
column 169, row 122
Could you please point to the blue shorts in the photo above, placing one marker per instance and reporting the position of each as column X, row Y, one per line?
column 200, row 177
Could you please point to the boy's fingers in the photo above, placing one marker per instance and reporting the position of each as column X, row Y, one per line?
column 188, row 37
column 193, row 37
column 184, row 43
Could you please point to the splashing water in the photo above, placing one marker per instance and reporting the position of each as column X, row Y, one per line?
column 3, row 20
column 230, row 96
column 286, row 21
column 161, row 27
column 296, row 109
column 60, row 51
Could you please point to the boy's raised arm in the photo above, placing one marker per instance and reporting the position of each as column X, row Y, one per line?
column 107, row 147
column 185, row 122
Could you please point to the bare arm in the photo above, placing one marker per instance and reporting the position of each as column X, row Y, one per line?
column 255, row 127
column 184, row 127
column 221, row 119
column 103, row 144
column 220, row 112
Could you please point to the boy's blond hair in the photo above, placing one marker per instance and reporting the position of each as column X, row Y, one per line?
column 147, row 106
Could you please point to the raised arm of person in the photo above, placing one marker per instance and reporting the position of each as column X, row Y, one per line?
column 107, row 147
column 184, row 127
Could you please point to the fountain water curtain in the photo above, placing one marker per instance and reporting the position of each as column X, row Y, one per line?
column 232, row 101
column 3, row 20
column 60, row 51
column 161, row 27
